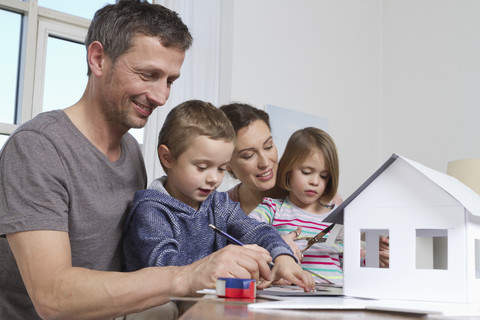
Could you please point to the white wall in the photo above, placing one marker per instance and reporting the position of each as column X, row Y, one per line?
column 320, row 57
column 390, row 75
column 431, row 80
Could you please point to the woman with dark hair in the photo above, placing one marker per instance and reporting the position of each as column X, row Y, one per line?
column 254, row 160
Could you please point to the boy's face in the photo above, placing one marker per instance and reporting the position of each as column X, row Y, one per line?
column 198, row 171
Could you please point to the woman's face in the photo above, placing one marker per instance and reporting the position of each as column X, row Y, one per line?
column 255, row 160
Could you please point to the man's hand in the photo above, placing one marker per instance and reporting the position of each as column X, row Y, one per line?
column 248, row 262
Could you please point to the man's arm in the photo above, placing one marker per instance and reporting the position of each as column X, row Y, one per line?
column 59, row 290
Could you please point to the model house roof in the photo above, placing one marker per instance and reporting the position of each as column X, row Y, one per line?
column 463, row 194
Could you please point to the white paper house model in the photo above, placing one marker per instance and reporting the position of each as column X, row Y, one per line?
column 433, row 224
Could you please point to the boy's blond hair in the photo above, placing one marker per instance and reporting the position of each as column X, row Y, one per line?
column 299, row 147
column 189, row 120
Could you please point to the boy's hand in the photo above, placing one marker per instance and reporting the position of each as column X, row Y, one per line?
column 287, row 269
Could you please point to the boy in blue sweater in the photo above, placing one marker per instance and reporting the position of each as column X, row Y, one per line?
column 168, row 224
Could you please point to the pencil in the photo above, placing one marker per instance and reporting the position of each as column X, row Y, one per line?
column 232, row 239
column 226, row 235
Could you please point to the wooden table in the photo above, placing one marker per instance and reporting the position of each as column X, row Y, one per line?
column 208, row 309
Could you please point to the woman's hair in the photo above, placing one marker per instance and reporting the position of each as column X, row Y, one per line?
column 115, row 25
column 189, row 120
column 241, row 115
column 299, row 147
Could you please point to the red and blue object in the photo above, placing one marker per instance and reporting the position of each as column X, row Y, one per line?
column 236, row 288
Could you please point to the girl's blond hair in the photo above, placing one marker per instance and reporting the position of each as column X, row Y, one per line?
column 299, row 147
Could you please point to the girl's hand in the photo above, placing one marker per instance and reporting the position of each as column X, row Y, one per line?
column 384, row 253
column 290, row 240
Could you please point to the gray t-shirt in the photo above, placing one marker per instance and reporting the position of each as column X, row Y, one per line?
column 53, row 178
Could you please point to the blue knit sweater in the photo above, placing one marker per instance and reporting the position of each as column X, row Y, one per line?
column 163, row 231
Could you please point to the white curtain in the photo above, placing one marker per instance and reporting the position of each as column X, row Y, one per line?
column 199, row 74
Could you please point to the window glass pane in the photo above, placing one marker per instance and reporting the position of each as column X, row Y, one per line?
column 9, row 55
column 137, row 134
column 84, row 9
column 3, row 139
column 65, row 73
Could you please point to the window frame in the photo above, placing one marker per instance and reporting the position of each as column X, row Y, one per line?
column 47, row 28
column 38, row 24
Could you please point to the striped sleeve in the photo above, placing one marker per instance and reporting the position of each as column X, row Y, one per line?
column 265, row 211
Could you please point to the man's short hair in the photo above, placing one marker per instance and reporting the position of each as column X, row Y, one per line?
column 115, row 25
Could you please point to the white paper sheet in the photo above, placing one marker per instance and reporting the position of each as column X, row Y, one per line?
column 348, row 303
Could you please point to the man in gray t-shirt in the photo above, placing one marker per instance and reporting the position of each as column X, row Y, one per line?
column 67, row 176
column 53, row 178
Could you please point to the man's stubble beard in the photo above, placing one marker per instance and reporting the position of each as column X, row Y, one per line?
column 119, row 114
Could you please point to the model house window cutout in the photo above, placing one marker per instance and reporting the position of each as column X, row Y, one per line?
column 477, row 258
column 370, row 247
column 432, row 249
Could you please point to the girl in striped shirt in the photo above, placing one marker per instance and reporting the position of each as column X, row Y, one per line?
column 307, row 180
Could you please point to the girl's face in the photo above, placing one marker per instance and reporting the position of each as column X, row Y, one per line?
column 255, row 160
column 308, row 180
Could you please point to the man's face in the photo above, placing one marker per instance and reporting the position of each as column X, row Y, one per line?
column 140, row 81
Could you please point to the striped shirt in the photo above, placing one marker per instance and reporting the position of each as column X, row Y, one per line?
column 320, row 259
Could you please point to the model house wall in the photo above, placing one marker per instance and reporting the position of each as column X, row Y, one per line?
column 433, row 224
